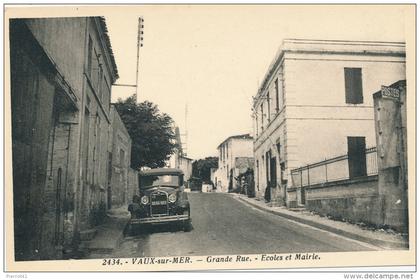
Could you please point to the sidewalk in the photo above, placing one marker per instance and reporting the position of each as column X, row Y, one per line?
column 376, row 237
column 110, row 233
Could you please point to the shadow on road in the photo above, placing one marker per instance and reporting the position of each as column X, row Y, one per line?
column 151, row 229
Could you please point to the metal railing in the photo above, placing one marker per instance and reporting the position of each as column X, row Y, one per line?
column 331, row 170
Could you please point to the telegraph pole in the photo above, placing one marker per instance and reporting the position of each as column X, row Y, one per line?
column 185, row 134
column 140, row 33
column 139, row 45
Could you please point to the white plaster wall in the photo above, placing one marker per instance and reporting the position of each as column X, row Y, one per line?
column 319, row 79
column 315, row 122
column 236, row 148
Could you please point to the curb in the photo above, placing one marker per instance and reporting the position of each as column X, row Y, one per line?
column 377, row 242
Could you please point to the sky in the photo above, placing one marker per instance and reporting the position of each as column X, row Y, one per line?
column 213, row 58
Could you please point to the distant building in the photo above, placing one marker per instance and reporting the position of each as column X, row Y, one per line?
column 185, row 164
column 235, row 154
column 62, row 70
column 315, row 103
column 179, row 160
column 213, row 178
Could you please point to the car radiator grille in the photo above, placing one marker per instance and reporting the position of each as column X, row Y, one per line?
column 159, row 203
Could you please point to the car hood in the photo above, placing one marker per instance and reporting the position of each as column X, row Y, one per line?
column 169, row 190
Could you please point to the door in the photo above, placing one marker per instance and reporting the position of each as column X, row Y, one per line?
column 273, row 172
column 356, row 156
column 302, row 195
column 109, row 190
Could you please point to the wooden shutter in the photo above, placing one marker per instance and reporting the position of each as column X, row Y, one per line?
column 356, row 156
column 353, row 85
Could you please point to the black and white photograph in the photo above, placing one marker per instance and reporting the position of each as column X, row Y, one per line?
column 187, row 136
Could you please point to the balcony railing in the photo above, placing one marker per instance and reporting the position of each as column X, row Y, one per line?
column 332, row 170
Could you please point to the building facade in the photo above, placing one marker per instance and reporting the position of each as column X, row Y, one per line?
column 179, row 159
column 121, row 187
column 62, row 70
column 315, row 102
column 234, row 155
column 185, row 164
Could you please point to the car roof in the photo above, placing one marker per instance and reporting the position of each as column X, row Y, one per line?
column 161, row 171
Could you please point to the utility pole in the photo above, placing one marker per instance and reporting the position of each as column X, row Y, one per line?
column 186, row 128
column 185, row 143
column 139, row 45
column 140, row 38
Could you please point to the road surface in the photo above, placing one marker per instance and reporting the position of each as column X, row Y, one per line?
column 224, row 225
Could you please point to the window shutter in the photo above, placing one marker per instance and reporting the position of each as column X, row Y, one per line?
column 353, row 85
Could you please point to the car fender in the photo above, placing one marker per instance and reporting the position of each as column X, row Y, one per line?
column 133, row 207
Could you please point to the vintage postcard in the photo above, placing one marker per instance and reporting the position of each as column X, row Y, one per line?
column 202, row 137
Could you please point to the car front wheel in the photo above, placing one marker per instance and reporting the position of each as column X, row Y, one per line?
column 187, row 226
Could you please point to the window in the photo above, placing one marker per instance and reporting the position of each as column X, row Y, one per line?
column 227, row 151
column 267, row 167
column 223, row 148
column 159, row 180
column 96, row 125
column 256, row 125
column 90, row 53
column 262, row 116
column 99, row 84
column 107, row 93
column 107, row 96
column 268, row 107
column 122, row 157
column 276, row 84
column 109, row 166
column 283, row 175
column 94, row 76
column 86, row 124
column 273, row 171
column 257, row 174
column 353, row 85
column 356, row 156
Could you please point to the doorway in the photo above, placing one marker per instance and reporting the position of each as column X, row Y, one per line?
column 273, row 172
column 356, row 147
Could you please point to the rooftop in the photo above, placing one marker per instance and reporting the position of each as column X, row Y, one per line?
column 241, row 136
column 108, row 44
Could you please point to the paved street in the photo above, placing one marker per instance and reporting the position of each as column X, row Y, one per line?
column 224, row 225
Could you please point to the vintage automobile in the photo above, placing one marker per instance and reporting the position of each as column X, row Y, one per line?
column 162, row 199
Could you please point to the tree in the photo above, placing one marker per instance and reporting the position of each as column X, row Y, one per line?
column 201, row 168
column 150, row 131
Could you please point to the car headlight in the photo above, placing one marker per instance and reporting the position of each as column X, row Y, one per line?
column 144, row 199
column 172, row 197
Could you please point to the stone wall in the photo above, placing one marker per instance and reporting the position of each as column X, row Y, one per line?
column 391, row 136
column 133, row 183
column 44, row 137
column 60, row 121
column 351, row 200
column 119, row 148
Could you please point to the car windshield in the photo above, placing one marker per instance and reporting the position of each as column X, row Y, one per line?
column 159, row 180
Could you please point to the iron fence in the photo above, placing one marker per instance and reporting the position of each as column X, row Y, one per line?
column 331, row 170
